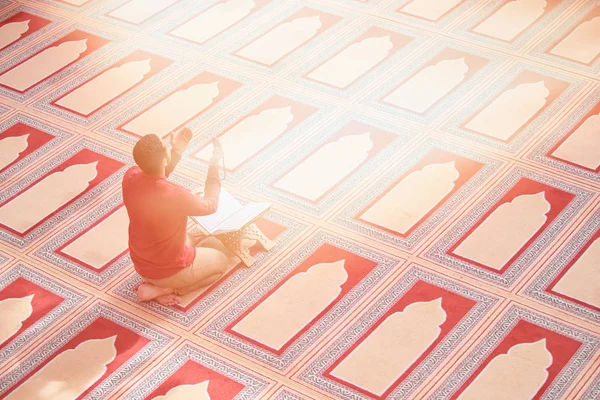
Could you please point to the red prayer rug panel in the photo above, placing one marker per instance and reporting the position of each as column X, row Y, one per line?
column 299, row 28
column 304, row 296
column 20, row 141
column 113, row 82
column 93, row 248
column 20, row 26
column 516, row 108
column 343, row 155
column 567, row 280
column 428, row 184
column 50, row 60
column 405, row 335
column 193, row 373
column 89, row 357
column 78, row 174
column 180, row 106
column 527, row 354
column 215, row 20
column 25, row 140
column 497, row 239
column 31, row 303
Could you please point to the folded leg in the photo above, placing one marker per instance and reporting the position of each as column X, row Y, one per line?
column 209, row 264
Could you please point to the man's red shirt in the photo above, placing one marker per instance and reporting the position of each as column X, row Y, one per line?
column 158, row 211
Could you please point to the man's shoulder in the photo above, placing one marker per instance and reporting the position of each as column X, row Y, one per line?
column 132, row 172
column 133, row 169
column 131, row 176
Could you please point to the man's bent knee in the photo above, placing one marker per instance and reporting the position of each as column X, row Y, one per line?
column 222, row 263
column 209, row 262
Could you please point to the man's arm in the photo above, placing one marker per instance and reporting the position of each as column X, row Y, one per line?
column 212, row 185
column 175, row 158
column 178, row 145
column 196, row 205
column 206, row 205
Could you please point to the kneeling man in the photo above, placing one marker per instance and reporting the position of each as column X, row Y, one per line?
column 162, row 250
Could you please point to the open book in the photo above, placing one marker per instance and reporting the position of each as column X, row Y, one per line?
column 231, row 216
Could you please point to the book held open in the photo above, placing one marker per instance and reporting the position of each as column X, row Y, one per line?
column 230, row 216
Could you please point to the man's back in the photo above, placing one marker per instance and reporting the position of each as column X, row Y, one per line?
column 157, row 227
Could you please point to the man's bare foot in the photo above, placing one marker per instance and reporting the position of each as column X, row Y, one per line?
column 168, row 300
column 147, row 292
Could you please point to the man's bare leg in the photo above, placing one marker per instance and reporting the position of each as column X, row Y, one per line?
column 214, row 243
column 165, row 296
column 209, row 265
column 198, row 285
column 193, row 239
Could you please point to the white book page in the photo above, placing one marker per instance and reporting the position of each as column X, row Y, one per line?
column 227, row 207
column 242, row 217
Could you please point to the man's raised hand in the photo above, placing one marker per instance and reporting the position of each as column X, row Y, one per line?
column 180, row 141
column 217, row 152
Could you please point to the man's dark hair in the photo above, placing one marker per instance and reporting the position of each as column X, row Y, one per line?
column 149, row 154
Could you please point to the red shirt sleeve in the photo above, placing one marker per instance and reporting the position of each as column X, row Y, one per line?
column 196, row 205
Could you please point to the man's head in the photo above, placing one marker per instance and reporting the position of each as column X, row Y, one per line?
column 151, row 154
